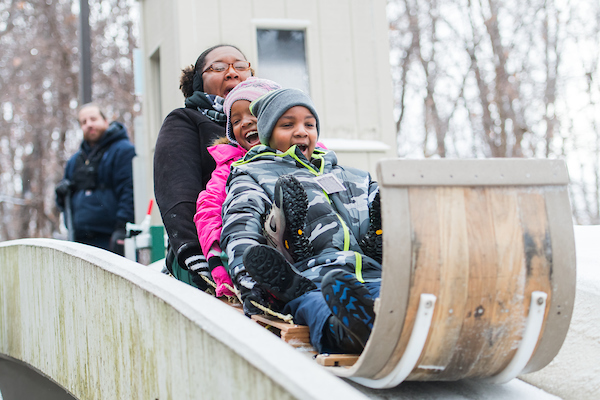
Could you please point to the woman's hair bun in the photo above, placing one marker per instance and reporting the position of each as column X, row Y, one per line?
column 186, row 81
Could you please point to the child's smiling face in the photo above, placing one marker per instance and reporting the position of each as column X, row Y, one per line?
column 244, row 124
column 297, row 126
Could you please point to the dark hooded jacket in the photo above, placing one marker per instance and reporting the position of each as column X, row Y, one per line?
column 99, row 210
column 182, row 167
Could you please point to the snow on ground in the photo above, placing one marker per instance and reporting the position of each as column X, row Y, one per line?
column 461, row 390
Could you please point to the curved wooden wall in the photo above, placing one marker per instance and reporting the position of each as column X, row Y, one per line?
column 482, row 236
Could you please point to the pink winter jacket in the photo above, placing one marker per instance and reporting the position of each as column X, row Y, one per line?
column 210, row 201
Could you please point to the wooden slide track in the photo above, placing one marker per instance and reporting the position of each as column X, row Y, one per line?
column 478, row 282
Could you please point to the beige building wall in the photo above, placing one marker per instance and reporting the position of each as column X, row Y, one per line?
column 347, row 53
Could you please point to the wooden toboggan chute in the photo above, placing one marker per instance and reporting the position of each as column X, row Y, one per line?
column 478, row 272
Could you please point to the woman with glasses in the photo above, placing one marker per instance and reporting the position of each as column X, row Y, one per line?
column 182, row 164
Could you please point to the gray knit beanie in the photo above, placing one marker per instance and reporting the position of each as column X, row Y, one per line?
column 270, row 107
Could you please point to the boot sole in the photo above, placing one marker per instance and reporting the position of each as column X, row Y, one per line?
column 289, row 214
column 272, row 271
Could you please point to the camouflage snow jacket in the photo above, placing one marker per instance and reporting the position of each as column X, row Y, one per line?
column 335, row 222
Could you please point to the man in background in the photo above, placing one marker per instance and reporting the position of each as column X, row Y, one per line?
column 98, row 183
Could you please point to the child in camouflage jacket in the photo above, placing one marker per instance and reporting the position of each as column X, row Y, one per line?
column 325, row 216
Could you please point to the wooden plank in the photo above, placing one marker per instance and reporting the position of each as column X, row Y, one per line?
column 268, row 320
column 293, row 334
column 482, row 269
column 279, row 324
column 298, row 336
column 536, row 238
column 301, row 345
column 336, row 360
column 474, row 173
column 537, row 247
column 425, row 262
column 454, row 270
column 508, row 310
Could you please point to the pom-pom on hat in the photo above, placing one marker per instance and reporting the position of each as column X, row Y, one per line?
column 250, row 89
column 270, row 107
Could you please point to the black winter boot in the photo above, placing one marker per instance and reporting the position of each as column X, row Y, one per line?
column 372, row 243
column 336, row 338
column 351, row 303
column 274, row 273
column 284, row 225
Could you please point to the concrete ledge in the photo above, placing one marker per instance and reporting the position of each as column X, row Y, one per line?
column 104, row 327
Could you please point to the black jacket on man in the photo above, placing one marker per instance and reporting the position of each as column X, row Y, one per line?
column 103, row 201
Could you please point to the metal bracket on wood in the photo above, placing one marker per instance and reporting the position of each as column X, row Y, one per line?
column 413, row 350
column 533, row 327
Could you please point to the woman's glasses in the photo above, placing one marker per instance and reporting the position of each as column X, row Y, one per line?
column 223, row 66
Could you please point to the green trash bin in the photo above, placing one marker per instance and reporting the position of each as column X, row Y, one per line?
column 157, row 233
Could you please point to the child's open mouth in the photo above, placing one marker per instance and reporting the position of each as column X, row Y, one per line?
column 252, row 137
column 302, row 147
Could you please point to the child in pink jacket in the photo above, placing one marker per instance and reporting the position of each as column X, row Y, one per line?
column 242, row 135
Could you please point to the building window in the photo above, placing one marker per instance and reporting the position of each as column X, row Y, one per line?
column 282, row 57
